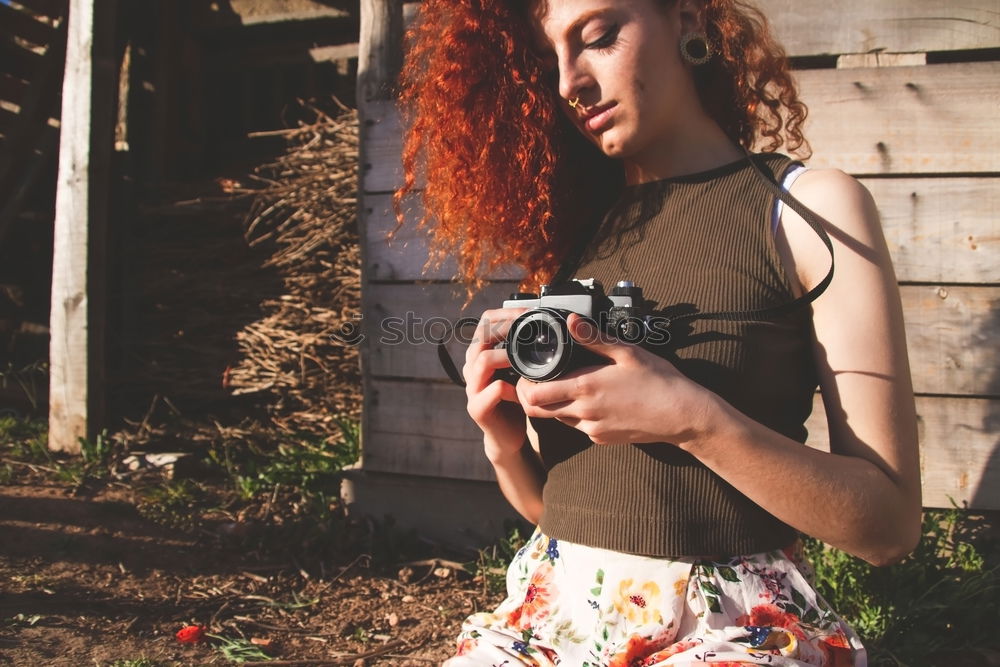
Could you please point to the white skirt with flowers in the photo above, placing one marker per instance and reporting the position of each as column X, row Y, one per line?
column 579, row 606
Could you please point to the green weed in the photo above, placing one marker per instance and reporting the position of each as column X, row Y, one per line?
column 137, row 662
column 944, row 597
column 25, row 439
column 239, row 650
column 171, row 503
column 30, row 379
column 491, row 565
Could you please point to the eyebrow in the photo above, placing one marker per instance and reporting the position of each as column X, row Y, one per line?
column 582, row 20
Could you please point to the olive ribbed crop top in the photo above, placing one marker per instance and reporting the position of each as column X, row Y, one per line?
column 698, row 243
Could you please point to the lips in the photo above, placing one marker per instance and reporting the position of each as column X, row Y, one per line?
column 597, row 118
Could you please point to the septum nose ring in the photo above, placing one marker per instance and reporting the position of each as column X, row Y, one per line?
column 573, row 103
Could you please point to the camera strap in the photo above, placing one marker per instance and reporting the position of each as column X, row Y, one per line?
column 760, row 314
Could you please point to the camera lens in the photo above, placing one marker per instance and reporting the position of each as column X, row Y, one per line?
column 539, row 344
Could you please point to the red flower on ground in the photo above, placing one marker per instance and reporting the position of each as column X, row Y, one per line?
column 191, row 634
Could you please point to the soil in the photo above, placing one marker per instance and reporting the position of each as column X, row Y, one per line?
column 85, row 579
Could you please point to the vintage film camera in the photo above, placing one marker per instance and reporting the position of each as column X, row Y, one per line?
column 539, row 344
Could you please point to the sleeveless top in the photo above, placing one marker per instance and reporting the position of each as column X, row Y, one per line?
column 697, row 243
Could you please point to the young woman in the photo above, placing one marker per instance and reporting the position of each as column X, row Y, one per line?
column 609, row 139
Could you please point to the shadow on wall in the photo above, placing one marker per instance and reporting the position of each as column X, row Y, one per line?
column 987, row 494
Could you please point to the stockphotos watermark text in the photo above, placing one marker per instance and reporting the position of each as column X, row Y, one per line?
column 413, row 329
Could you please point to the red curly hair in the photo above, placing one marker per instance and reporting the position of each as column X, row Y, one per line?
column 508, row 179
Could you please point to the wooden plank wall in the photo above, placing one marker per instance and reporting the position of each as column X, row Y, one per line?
column 903, row 95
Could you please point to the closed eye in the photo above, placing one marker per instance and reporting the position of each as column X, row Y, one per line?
column 606, row 40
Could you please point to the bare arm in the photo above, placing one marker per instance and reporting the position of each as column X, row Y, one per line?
column 493, row 405
column 521, row 476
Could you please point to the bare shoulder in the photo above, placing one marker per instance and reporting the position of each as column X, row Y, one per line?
column 850, row 218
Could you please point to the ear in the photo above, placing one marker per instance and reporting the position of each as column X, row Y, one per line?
column 692, row 15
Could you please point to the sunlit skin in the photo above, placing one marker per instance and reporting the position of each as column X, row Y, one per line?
column 865, row 496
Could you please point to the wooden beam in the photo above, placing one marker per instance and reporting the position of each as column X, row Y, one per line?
column 53, row 9
column 904, row 120
column 76, row 345
column 818, row 27
column 22, row 24
column 380, row 51
column 380, row 56
column 18, row 61
column 425, row 430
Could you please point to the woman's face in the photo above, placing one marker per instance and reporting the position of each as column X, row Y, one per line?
column 621, row 58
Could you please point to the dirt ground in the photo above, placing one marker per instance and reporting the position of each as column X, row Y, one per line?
column 86, row 580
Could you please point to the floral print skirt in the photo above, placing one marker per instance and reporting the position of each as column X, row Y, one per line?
column 579, row 606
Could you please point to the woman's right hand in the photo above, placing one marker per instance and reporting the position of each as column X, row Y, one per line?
column 493, row 404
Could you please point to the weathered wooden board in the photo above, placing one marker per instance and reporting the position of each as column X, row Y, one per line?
column 901, row 120
column 425, row 430
column 953, row 337
column 404, row 256
column 959, row 449
column 76, row 345
column 952, row 333
column 887, row 120
column 813, row 27
column 403, row 323
column 941, row 229
column 53, row 9
column 938, row 230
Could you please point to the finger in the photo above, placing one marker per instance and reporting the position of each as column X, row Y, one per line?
column 590, row 336
column 481, row 405
column 572, row 386
column 491, row 329
column 479, row 370
column 559, row 411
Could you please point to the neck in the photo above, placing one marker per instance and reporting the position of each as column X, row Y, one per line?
column 699, row 146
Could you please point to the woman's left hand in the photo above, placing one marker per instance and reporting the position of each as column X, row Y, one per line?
column 637, row 397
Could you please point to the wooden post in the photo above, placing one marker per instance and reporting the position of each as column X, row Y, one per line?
column 76, row 355
column 380, row 49
column 380, row 56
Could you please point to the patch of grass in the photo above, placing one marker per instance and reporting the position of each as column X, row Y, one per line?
column 943, row 597
column 25, row 439
column 171, row 503
column 309, row 463
column 491, row 565
column 239, row 649
column 138, row 662
column 29, row 379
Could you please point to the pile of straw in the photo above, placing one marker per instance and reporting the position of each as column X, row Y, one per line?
column 305, row 214
column 235, row 294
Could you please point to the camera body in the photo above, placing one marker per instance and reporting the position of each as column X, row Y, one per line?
column 539, row 345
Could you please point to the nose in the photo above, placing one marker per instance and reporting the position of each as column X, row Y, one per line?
column 574, row 77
